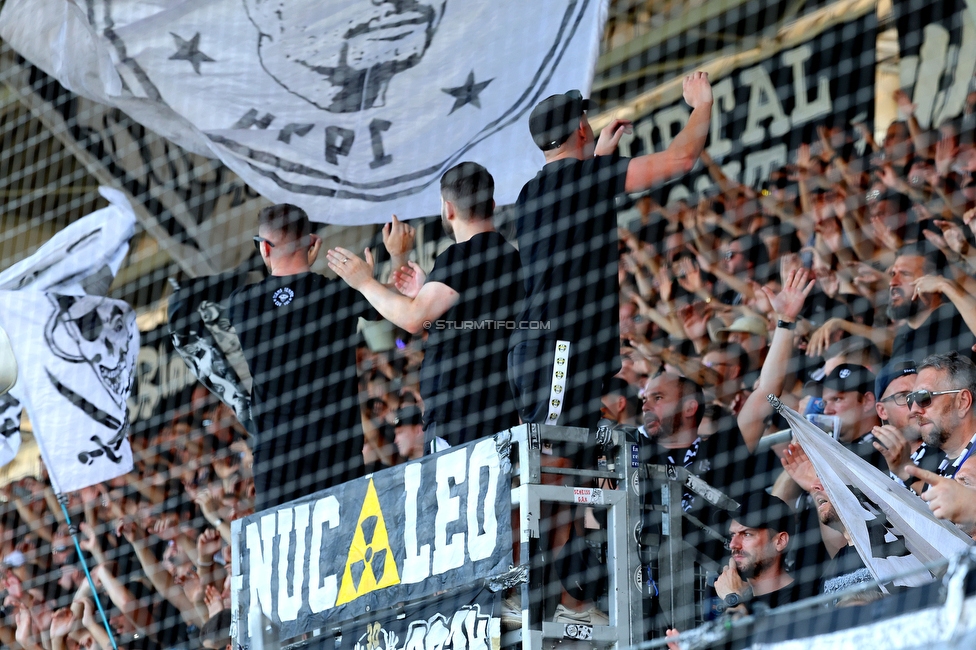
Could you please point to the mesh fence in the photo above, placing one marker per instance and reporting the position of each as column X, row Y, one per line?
column 799, row 225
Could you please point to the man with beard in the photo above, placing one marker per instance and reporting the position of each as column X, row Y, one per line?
column 898, row 438
column 759, row 537
column 942, row 403
column 673, row 410
column 474, row 286
column 926, row 324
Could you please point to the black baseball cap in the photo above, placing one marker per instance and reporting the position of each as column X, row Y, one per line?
column 896, row 368
column 555, row 118
column 845, row 377
column 408, row 416
column 759, row 509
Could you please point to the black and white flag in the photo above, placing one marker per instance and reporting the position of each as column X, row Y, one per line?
column 75, row 352
column 351, row 109
column 892, row 529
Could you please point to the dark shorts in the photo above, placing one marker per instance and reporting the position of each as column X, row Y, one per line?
column 531, row 365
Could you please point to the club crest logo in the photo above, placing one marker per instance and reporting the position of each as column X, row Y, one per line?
column 283, row 296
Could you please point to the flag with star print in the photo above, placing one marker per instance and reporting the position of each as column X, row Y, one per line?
column 352, row 109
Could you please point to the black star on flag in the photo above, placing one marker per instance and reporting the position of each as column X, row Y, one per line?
column 467, row 93
column 190, row 51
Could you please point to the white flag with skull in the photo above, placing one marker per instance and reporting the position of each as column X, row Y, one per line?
column 75, row 352
column 351, row 109
column 891, row 527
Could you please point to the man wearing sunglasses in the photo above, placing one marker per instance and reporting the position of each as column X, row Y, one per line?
column 942, row 403
column 566, row 223
column 898, row 438
column 298, row 332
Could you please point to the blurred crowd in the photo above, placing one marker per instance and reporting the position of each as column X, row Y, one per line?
column 864, row 251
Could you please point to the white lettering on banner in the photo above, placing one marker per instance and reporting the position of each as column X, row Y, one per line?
column 723, row 101
column 260, row 547
column 322, row 596
column 293, row 521
column 448, row 555
column 481, row 545
column 416, row 562
column 759, row 164
column 280, row 563
column 763, row 104
column 940, row 64
column 804, row 110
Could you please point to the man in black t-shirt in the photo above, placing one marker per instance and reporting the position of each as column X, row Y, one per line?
column 469, row 304
column 566, row 223
column 298, row 333
column 927, row 322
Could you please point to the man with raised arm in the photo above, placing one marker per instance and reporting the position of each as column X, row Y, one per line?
column 467, row 304
column 567, row 235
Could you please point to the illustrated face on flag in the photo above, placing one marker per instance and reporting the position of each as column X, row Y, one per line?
column 352, row 109
column 75, row 353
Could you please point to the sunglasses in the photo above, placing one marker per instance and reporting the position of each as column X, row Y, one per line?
column 924, row 397
column 259, row 240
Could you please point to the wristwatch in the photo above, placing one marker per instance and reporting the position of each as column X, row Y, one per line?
column 733, row 600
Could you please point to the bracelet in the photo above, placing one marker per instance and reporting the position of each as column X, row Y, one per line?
column 201, row 565
column 785, row 324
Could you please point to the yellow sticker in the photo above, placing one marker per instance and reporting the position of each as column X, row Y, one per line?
column 370, row 564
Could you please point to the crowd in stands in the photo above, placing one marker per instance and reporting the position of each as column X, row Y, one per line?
column 830, row 286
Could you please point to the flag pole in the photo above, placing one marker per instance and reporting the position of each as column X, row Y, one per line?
column 63, row 500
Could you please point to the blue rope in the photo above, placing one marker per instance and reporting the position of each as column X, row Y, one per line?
column 81, row 556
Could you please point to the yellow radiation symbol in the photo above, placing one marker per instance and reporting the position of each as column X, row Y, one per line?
column 560, row 374
column 561, row 348
column 558, row 389
column 556, row 403
column 369, row 564
column 560, row 362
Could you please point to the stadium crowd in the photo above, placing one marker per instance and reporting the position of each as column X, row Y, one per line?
column 844, row 284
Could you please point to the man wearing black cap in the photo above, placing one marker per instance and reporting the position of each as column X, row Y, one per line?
column 759, row 537
column 898, row 438
column 567, row 233
column 848, row 394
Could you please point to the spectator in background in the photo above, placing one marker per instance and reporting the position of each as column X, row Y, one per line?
column 848, row 394
column 409, row 433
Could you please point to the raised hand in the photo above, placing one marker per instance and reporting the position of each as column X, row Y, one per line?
column 213, row 600
column 409, row 279
column 61, row 623
column 696, row 89
column 89, row 540
column 208, row 544
column 788, row 303
column 954, row 237
column 350, row 268
column 798, row 466
column 398, row 237
column 929, row 284
column 610, row 136
column 166, row 527
column 820, row 340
